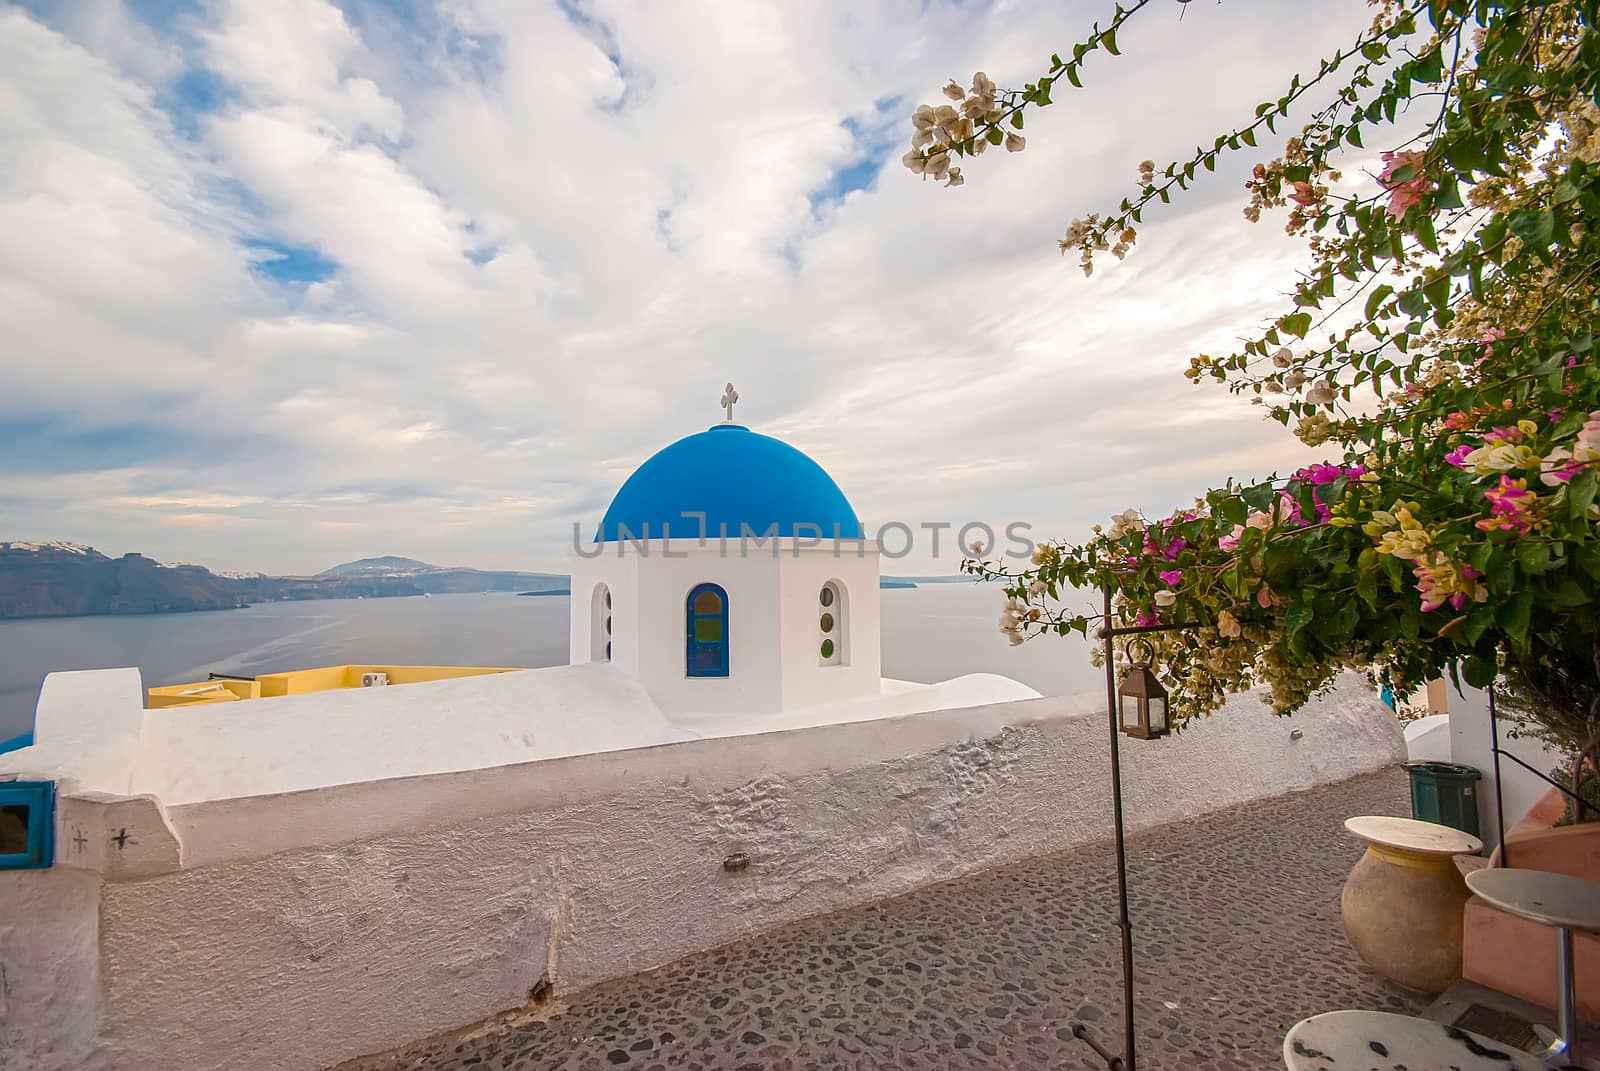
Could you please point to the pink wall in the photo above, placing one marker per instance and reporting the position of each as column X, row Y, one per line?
column 1519, row 957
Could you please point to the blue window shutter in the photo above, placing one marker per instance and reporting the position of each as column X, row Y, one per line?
column 28, row 812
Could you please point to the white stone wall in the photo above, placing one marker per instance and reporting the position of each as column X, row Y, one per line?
column 292, row 931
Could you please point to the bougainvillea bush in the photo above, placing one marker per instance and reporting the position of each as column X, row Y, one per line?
column 1439, row 345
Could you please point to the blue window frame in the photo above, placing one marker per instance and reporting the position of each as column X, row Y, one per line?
column 706, row 612
column 27, row 824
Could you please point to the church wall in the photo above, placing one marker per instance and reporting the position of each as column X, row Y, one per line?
column 806, row 682
column 296, row 930
column 621, row 575
column 755, row 656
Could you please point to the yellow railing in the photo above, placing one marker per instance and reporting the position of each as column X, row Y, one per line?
column 302, row 681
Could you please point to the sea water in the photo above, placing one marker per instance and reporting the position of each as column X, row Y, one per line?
column 930, row 633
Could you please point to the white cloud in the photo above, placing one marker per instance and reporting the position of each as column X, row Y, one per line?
column 554, row 237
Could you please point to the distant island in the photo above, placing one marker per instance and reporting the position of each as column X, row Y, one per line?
column 59, row 579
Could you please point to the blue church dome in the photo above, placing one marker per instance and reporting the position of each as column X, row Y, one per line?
column 740, row 480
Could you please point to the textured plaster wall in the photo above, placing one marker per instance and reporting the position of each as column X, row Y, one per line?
column 301, row 929
column 49, row 995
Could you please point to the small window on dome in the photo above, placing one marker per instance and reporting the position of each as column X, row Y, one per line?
column 600, row 624
column 831, row 620
column 707, row 631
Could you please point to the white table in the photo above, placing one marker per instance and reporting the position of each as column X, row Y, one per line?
column 1559, row 900
column 1412, row 836
column 1334, row 1041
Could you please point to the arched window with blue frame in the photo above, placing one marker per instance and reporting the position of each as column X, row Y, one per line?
column 707, row 614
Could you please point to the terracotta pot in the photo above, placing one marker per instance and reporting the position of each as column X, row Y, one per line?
column 1402, row 912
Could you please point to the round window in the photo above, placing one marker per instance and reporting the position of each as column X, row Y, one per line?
column 827, row 622
column 608, row 599
column 827, row 648
column 608, row 624
column 827, row 596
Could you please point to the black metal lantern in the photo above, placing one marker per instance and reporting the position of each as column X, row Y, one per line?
column 1142, row 702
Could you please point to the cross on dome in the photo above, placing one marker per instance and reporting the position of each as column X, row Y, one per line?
column 729, row 396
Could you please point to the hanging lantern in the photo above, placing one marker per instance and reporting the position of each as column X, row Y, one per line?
column 1142, row 700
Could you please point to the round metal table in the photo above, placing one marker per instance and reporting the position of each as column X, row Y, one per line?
column 1370, row 1039
column 1559, row 900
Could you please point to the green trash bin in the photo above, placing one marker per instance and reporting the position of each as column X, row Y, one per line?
column 1445, row 793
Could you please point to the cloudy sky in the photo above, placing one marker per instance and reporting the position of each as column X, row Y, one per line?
column 285, row 283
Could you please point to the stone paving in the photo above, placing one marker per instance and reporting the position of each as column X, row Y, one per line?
column 1237, row 937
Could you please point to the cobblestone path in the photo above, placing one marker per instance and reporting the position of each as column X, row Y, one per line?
column 1237, row 936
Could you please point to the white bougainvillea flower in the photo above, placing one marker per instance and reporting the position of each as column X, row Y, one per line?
column 1166, row 598
column 982, row 86
column 1015, row 142
column 1283, row 358
column 954, row 92
column 953, row 178
column 937, row 165
column 915, row 161
column 1321, row 394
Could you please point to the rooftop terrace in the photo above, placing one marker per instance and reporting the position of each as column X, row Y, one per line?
column 1237, row 936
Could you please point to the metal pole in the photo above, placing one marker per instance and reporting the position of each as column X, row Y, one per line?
column 1567, row 998
column 1124, row 923
column 1499, row 799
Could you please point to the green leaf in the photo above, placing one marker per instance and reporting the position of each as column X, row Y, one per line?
column 1376, row 299
column 1437, row 291
column 1109, row 39
column 1514, row 615
column 995, row 136
column 1343, row 623
column 1016, row 119
column 1478, row 622
column 1536, row 228
column 1479, row 672
column 1367, row 586
column 1298, row 616
column 1072, row 76
column 1353, row 135
column 1425, row 235
column 1448, row 197
column 1297, row 324
column 1581, row 493
column 1249, row 137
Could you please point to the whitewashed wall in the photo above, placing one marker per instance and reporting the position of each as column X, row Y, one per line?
column 292, row 931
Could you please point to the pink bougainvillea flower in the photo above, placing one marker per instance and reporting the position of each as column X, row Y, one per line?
column 1303, row 194
column 1558, row 467
column 1458, row 456
column 1441, row 582
column 1147, row 618
column 1231, row 540
column 1171, row 576
column 1511, row 507
column 1404, row 195
column 1511, row 434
